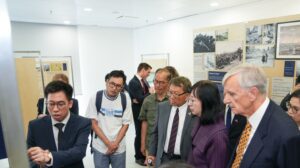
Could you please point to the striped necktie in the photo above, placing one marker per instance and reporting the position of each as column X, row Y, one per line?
column 173, row 132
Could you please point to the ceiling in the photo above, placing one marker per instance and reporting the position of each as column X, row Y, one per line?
column 112, row 13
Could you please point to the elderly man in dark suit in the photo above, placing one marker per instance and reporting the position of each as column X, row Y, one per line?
column 171, row 137
column 139, row 90
column 58, row 140
column 268, row 127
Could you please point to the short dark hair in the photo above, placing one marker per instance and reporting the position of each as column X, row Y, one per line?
column 296, row 93
column 212, row 106
column 297, row 80
column 183, row 82
column 116, row 74
column 143, row 65
column 57, row 86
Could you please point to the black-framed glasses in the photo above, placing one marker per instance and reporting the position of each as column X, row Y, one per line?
column 175, row 94
column 114, row 85
column 60, row 104
column 157, row 82
column 293, row 109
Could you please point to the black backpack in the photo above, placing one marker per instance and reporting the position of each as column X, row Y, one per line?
column 98, row 104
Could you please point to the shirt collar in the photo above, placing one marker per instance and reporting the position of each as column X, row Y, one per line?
column 256, row 117
column 165, row 98
column 65, row 121
column 182, row 107
column 138, row 76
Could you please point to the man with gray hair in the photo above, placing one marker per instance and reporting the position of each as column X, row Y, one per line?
column 268, row 127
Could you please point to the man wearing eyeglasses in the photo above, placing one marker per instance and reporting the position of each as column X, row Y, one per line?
column 110, row 123
column 171, row 137
column 293, row 107
column 58, row 140
column 149, row 107
column 139, row 90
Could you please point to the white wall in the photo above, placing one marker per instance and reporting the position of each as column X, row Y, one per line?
column 50, row 40
column 102, row 50
column 176, row 37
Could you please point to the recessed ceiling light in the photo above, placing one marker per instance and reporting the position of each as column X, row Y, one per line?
column 67, row 22
column 213, row 4
column 160, row 18
column 88, row 9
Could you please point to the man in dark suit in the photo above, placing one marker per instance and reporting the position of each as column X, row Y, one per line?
column 138, row 90
column 268, row 127
column 235, row 125
column 165, row 145
column 58, row 140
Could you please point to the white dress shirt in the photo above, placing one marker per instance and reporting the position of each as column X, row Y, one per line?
column 55, row 129
column 255, row 119
column 182, row 114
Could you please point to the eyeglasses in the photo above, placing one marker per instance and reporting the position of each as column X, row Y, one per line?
column 191, row 100
column 60, row 105
column 114, row 85
column 159, row 82
column 293, row 109
column 175, row 94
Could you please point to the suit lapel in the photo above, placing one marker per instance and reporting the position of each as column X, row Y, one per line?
column 68, row 130
column 187, row 121
column 166, row 115
column 186, row 125
column 257, row 142
column 48, row 132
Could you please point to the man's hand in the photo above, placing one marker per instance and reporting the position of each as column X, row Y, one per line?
column 112, row 147
column 150, row 160
column 38, row 155
column 41, row 115
column 135, row 101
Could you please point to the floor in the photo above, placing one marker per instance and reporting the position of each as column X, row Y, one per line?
column 88, row 160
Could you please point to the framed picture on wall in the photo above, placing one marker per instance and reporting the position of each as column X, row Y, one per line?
column 156, row 60
column 288, row 40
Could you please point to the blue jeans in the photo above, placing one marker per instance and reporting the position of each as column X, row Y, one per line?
column 102, row 160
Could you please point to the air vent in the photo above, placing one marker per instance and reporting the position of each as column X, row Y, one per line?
column 127, row 17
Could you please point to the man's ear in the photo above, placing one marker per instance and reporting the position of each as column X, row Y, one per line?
column 253, row 93
column 70, row 103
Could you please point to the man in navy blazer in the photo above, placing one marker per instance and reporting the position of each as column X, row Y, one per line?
column 245, row 91
column 139, row 90
column 52, row 146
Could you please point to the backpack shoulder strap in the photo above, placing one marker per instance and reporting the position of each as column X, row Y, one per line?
column 98, row 102
column 123, row 100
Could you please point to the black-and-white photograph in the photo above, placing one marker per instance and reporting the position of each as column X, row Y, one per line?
column 204, row 42
column 260, row 55
column 253, row 35
column 209, row 60
column 228, row 54
column 222, row 35
column 288, row 40
column 268, row 34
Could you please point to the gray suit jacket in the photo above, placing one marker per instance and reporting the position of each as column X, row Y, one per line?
column 159, row 133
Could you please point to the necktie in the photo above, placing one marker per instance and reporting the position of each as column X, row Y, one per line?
column 145, row 86
column 59, row 126
column 242, row 146
column 228, row 118
column 173, row 132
